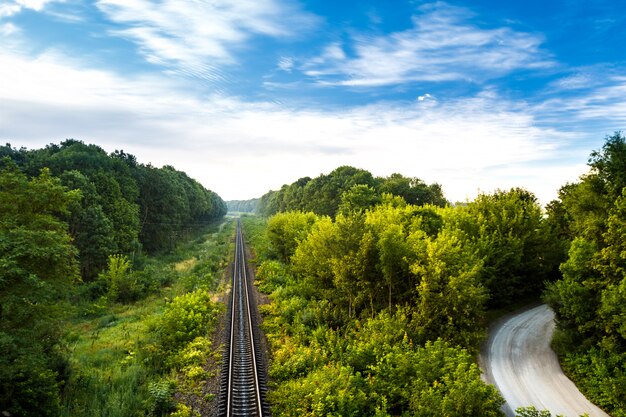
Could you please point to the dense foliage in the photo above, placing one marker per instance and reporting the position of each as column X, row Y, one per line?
column 37, row 265
column 67, row 212
column 346, row 189
column 378, row 310
column 125, row 206
column 590, row 300
column 149, row 357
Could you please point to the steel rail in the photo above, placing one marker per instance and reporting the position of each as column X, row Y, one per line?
column 241, row 391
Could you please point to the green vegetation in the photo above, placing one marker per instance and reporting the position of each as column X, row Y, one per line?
column 36, row 268
column 347, row 188
column 380, row 290
column 379, row 310
column 242, row 206
column 84, row 328
column 589, row 300
column 126, row 207
column 533, row 412
column 130, row 359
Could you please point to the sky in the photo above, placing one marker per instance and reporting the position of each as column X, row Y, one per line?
column 248, row 95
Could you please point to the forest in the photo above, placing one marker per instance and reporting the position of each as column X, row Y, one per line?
column 79, row 229
column 325, row 194
column 380, row 310
column 381, row 290
column 242, row 206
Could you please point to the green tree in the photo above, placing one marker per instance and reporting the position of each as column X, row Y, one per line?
column 91, row 229
column 611, row 263
column 413, row 190
column 390, row 224
column 286, row 230
column 609, row 164
column 448, row 384
column 575, row 298
column 508, row 229
column 450, row 297
column 358, row 198
column 330, row 391
column 588, row 301
column 37, row 267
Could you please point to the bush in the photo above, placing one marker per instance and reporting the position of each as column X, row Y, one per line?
column 333, row 390
column 187, row 317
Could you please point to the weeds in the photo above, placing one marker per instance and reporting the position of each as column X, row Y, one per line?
column 128, row 359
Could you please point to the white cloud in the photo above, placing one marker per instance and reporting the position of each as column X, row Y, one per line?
column 12, row 7
column 241, row 149
column 605, row 103
column 197, row 35
column 286, row 64
column 8, row 29
column 443, row 45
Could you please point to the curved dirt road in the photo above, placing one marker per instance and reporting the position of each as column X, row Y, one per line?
column 518, row 360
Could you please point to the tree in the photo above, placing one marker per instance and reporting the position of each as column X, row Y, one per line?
column 37, row 267
column 574, row 298
column 91, row 229
column 286, row 230
column 589, row 299
column 509, row 232
column 450, row 297
column 390, row 225
column 413, row 190
column 358, row 198
column 609, row 164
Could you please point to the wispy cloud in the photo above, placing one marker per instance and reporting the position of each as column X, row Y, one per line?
column 195, row 36
column 442, row 45
column 12, row 7
column 285, row 64
column 225, row 141
column 8, row 29
column 599, row 98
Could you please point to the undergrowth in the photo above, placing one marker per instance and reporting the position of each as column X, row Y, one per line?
column 129, row 357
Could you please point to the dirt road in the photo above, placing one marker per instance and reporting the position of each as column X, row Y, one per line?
column 518, row 360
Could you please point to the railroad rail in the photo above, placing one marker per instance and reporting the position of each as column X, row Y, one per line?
column 243, row 381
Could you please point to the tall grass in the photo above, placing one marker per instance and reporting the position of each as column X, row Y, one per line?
column 112, row 346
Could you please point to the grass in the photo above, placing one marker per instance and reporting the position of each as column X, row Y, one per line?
column 110, row 350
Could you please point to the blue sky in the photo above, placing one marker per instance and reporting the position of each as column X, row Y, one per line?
column 246, row 95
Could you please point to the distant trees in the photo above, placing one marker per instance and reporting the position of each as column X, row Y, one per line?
column 344, row 189
column 242, row 206
column 125, row 206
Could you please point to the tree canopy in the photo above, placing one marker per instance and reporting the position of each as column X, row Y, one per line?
column 589, row 300
column 125, row 206
column 347, row 188
column 37, row 266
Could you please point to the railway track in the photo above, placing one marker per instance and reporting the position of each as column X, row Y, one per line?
column 243, row 381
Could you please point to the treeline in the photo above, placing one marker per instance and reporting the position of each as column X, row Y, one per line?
column 125, row 207
column 344, row 189
column 72, row 213
column 590, row 299
column 379, row 310
column 242, row 206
